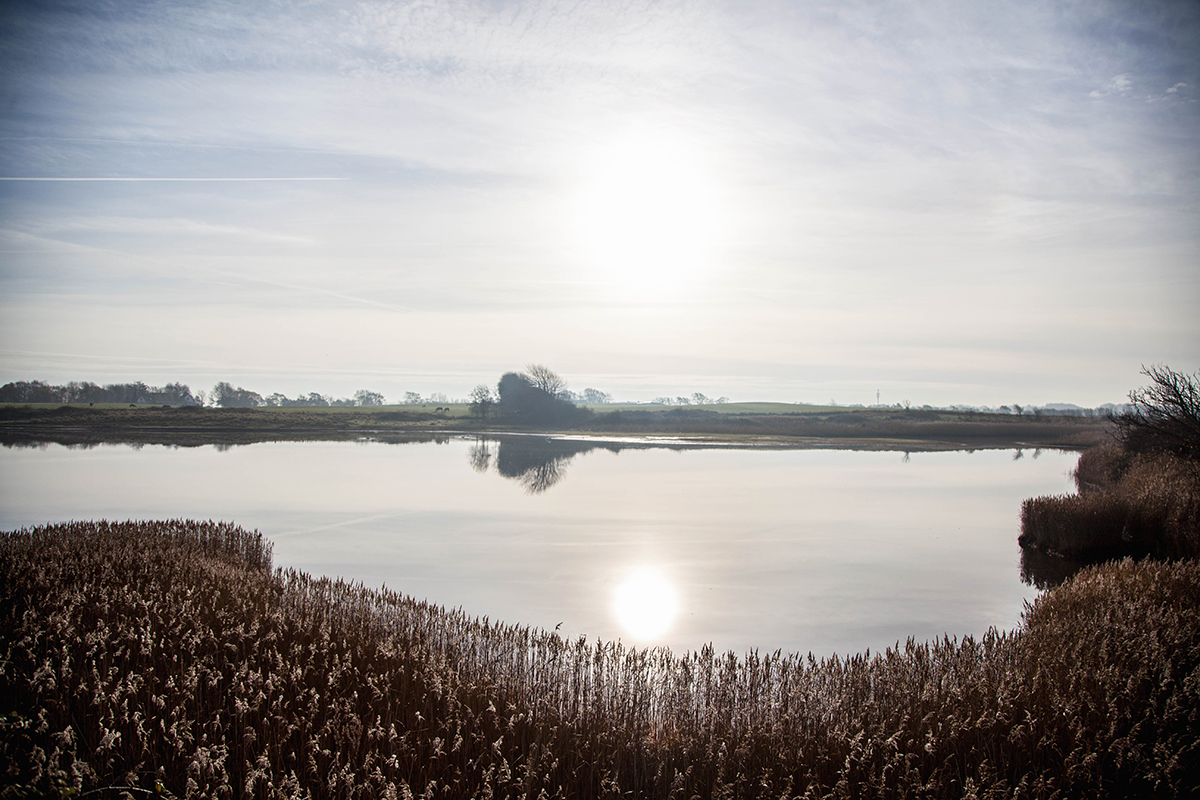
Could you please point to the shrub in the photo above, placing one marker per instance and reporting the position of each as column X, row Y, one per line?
column 1165, row 416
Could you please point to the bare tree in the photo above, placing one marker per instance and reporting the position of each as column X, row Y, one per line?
column 363, row 397
column 481, row 401
column 545, row 379
column 1165, row 415
column 595, row 396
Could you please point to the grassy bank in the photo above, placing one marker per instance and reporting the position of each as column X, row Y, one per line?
column 168, row 653
column 895, row 428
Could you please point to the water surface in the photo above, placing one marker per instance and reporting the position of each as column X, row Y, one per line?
column 803, row 550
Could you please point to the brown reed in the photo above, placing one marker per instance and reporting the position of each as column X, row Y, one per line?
column 168, row 654
column 1137, row 505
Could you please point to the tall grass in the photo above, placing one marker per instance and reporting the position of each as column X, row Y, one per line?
column 1127, row 504
column 168, row 653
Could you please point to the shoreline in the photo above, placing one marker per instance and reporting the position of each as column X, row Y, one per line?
column 869, row 429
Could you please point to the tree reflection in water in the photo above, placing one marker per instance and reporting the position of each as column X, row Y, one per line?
column 536, row 462
column 1044, row 571
column 480, row 455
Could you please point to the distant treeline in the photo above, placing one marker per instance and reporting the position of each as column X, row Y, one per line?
column 1057, row 410
column 696, row 399
column 226, row 396
column 482, row 398
column 176, row 394
column 1050, row 410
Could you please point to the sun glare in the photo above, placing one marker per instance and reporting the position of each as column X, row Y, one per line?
column 647, row 215
column 645, row 604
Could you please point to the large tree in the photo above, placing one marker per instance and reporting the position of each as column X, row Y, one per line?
column 528, row 404
column 224, row 395
column 595, row 396
column 545, row 379
column 364, row 397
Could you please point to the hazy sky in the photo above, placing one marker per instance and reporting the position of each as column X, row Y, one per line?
column 947, row 202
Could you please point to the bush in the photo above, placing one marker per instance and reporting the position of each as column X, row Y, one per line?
column 1139, row 498
column 1165, row 415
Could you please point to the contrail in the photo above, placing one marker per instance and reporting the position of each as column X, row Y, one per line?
column 211, row 180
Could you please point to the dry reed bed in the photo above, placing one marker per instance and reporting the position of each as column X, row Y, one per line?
column 168, row 653
column 1127, row 504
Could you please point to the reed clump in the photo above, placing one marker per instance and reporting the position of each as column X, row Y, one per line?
column 167, row 656
column 1139, row 495
column 1127, row 504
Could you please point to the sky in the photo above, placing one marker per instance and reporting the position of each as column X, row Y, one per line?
column 942, row 202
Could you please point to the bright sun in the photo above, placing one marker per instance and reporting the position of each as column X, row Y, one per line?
column 647, row 214
column 645, row 604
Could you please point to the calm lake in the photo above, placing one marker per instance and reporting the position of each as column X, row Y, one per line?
column 803, row 550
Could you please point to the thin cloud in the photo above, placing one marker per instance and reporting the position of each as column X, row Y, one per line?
column 161, row 179
column 1119, row 85
column 171, row 226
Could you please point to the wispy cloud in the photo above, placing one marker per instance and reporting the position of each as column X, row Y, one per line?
column 867, row 157
column 76, row 179
column 1120, row 84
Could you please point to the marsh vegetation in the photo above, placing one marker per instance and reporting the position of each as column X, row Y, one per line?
column 1139, row 496
column 168, row 654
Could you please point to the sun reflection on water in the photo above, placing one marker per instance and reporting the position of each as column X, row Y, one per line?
column 645, row 603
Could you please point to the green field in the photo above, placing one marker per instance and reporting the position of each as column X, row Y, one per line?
column 720, row 408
